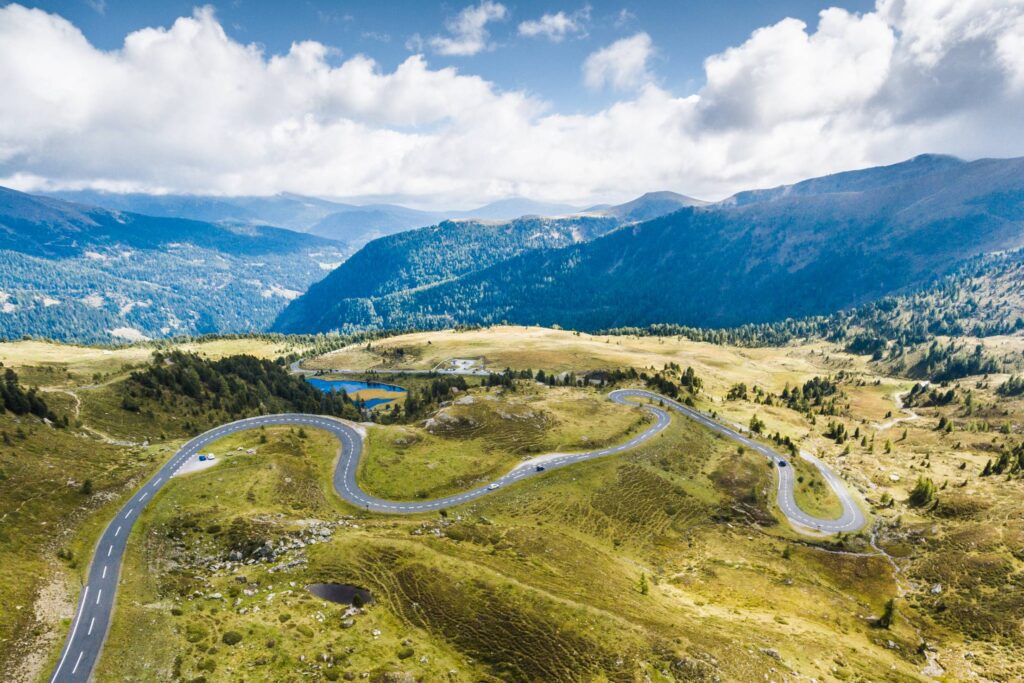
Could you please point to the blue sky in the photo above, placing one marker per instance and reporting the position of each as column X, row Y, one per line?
column 458, row 103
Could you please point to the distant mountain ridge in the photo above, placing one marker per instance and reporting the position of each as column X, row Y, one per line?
column 83, row 273
column 805, row 249
column 647, row 206
column 348, row 223
column 352, row 224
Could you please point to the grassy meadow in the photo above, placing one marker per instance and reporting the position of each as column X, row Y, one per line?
column 666, row 563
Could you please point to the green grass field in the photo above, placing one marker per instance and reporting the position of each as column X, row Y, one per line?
column 543, row 580
column 486, row 433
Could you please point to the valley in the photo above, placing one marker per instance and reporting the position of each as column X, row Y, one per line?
column 494, row 342
column 683, row 528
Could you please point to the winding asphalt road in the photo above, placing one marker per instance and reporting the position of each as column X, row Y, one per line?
column 92, row 618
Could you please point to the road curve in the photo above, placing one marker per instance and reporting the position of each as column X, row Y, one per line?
column 852, row 517
column 92, row 618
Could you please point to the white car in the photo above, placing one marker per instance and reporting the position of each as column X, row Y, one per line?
column 495, row 485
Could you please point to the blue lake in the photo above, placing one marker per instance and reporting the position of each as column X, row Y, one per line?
column 352, row 387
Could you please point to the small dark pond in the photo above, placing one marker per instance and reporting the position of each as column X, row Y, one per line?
column 341, row 593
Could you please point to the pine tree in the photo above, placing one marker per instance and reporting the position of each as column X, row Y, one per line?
column 888, row 614
column 923, row 493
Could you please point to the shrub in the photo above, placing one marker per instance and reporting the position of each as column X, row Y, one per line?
column 923, row 493
column 231, row 637
column 888, row 616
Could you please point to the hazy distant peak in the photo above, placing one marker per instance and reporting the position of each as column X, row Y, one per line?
column 647, row 206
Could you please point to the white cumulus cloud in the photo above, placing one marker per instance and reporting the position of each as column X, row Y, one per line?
column 468, row 30
column 189, row 109
column 555, row 27
column 622, row 65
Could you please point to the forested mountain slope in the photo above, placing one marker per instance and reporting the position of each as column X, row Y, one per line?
column 83, row 273
column 812, row 248
column 419, row 258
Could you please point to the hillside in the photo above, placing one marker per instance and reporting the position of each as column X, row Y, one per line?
column 669, row 556
column 810, row 249
column 423, row 257
column 71, row 271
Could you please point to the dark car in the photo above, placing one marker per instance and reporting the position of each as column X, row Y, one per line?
column 540, row 468
column 782, row 463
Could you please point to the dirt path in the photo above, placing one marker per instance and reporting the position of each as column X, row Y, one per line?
column 909, row 416
column 60, row 390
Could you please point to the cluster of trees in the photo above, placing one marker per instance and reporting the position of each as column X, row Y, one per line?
column 813, row 393
column 237, row 385
column 757, row 425
column 609, row 377
column 947, row 362
column 816, row 396
column 16, row 399
column 784, row 442
column 838, row 432
column 1010, row 460
column 500, row 379
column 737, row 392
column 938, row 396
column 690, row 380
column 421, row 402
column 663, row 383
column 750, row 335
column 1014, row 386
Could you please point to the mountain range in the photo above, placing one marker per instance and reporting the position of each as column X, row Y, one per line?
column 804, row 249
column 351, row 224
column 77, row 272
